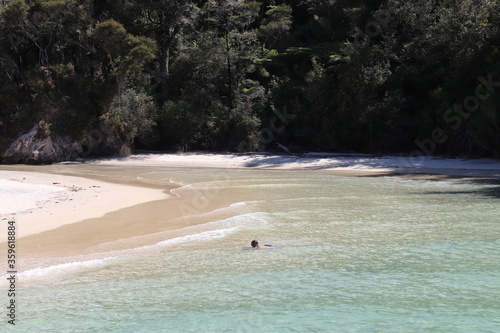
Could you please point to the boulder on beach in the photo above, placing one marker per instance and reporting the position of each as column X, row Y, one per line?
column 35, row 148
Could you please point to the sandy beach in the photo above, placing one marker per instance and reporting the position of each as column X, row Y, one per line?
column 353, row 163
column 41, row 201
column 45, row 201
column 48, row 205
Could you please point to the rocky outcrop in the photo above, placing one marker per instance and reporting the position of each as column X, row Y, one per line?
column 35, row 148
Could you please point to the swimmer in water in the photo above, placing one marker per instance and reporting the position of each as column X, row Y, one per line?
column 255, row 244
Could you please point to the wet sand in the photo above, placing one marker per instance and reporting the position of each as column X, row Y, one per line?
column 110, row 211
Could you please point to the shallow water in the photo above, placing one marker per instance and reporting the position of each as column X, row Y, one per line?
column 355, row 254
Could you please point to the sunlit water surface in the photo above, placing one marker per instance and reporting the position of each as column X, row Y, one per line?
column 356, row 254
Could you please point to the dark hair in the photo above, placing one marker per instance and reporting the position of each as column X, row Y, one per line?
column 254, row 243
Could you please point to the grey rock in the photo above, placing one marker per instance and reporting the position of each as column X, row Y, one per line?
column 34, row 148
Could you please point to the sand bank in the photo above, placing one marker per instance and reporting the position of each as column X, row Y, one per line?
column 40, row 202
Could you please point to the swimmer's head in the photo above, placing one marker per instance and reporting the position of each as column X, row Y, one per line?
column 254, row 243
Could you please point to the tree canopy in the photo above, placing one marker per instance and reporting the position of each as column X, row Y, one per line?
column 374, row 76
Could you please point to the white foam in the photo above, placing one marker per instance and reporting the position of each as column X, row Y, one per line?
column 200, row 237
column 238, row 204
column 252, row 186
column 237, row 207
column 198, row 233
column 217, row 229
column 60, row 271
column 66, row 268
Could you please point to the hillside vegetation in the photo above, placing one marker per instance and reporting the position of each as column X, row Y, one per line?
column 99, row 77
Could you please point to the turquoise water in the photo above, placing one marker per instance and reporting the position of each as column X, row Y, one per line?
column 356, row 254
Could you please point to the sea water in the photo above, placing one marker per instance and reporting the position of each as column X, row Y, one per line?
column 354, row 254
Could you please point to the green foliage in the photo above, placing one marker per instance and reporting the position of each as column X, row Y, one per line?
column 113, row 37
column 182, row 124
column 44, row 128
column 127, row 53
column 14, row 13
column 362, row 75
column 276, row 24
column 132, row 115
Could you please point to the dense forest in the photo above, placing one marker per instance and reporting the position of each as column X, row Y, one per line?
column 96, row 77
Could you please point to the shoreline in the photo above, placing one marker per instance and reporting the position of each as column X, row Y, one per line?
column 57, row 187
column 361, row 164
column 57, row 200
column 77, row 212
column 59, row 192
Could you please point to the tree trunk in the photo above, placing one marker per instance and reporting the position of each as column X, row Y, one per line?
column 167, row 40
column 164, row 68
column 229, row 72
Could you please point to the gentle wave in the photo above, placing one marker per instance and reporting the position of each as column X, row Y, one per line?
column 240, row 204
column 199, row 186
column 198, row 233
column 157, row 181
column 63, row 269
column 200, row 237
column 218, row 229
column 236, row 205
column 202, row 232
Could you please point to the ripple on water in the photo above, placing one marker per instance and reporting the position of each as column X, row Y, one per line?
column 366, row 254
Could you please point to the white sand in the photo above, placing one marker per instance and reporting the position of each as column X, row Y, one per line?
column 317, row 161
column 39, row 202
column 18, row 196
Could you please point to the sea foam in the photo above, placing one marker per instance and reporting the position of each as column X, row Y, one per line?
column 60, row 272
column 202, row 236
column 217, row 229
column 66, row 268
